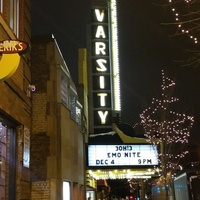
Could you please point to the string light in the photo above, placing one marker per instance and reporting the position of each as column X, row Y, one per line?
column 168, row 128
column 180, row 23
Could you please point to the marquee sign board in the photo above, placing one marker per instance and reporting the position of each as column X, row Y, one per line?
column 105, row 156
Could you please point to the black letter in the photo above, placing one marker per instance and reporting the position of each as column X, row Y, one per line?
column 149, row 161
column 125, row 155
column 97, row 162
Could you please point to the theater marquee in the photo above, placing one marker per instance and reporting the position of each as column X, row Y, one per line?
column 122, row 155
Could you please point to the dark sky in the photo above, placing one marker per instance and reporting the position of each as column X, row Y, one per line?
column 145, row 48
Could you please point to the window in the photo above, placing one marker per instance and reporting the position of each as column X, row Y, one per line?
column 64, row 87
column 14, row 16
column 73, row 97
column 66, row 190
column 78, row 115
column 3, row 147
column 1, row 6
column 7, row 162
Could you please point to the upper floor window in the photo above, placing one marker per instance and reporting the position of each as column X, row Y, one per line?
column 73, row 97
column 1, row 6
column 64, row 89
column 14, row 16
column 79, row 114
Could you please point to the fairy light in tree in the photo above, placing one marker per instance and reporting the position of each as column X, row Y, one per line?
column 167, row 127
column 181, row 24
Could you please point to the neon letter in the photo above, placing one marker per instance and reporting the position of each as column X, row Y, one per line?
column 102, row 98
column 102, row 82
column 100, row 32
column 100, row 16
column 101, row 63
column 100, row 48
column 103, row 116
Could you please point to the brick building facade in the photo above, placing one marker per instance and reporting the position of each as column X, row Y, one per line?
column 58, row 136
column 15, row 106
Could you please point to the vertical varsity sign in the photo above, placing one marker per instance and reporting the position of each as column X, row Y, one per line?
column 101, row 72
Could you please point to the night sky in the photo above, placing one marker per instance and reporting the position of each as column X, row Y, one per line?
column 145, row 48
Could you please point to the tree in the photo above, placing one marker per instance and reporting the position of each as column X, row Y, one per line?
column 167, row 128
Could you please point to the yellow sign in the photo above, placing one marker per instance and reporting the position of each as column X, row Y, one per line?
column 11, row 51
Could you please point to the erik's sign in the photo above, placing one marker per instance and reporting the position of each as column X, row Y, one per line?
column 11, row 51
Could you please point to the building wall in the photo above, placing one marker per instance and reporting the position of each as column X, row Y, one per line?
column 57, row 143
column 15, row 108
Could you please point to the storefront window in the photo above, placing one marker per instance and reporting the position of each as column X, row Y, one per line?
column 66, row 190
column 7, row 162
column 2, row 160
column 90, row 195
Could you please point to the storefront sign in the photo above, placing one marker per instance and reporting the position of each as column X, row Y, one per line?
column 12, row 46
column 122, row 155
column 11, row 51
